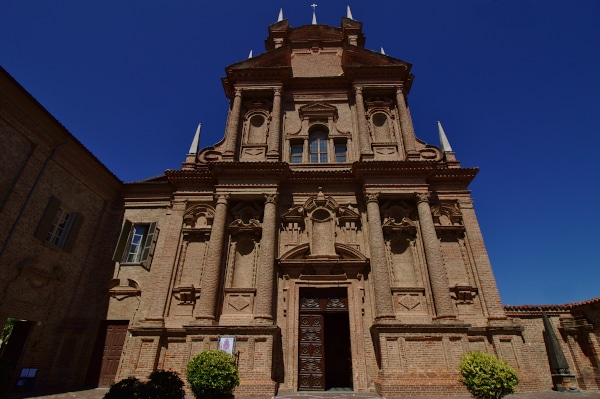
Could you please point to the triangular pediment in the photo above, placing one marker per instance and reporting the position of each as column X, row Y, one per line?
column 317, row 109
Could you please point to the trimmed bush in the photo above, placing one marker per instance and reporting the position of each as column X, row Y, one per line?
column 212, row 374
column 486, row 376
column 128, row 388
column 161, row 385
column 164, row 384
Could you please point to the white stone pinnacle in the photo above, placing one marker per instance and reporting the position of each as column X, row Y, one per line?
column 444, row 143
column 196, row 141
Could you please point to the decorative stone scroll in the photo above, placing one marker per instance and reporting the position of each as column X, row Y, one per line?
column 447, row 216
column 464, row 293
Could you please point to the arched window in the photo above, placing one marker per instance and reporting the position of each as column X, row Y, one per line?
column 317, row 148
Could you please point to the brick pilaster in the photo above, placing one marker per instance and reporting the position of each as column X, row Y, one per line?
column 408, row 132
column 211, row 276
column 488, row 288
column 383, row 294
column 233, row 125
column 438, row 276
column 275, row 128
column 263, row 309
column 363, row 129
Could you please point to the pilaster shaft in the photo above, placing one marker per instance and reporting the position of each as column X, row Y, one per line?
column 233, row 125
column 211, row 276
column 437, row 272
column 275, row 128
column 363, row 129
column 487, row 282
column 263, row 309
column 408, row 132
column 379, row 268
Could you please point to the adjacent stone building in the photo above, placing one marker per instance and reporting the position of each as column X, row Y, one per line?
column 320, row 241
column 60, row 211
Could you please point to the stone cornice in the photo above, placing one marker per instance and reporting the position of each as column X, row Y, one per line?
column 248, row 170
column 187, row 176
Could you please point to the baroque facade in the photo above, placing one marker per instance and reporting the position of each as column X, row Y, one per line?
column 337, row 248
column 320, row 241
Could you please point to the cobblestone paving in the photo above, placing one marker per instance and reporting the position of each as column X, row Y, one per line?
column 99, row 393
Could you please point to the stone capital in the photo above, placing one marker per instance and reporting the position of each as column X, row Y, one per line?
column 271, row 198
column 358, row 90
column 277, row 91
column 222, row 198
column 465, row 203
column 372, row 197
column 238, row 91
column 422, row 197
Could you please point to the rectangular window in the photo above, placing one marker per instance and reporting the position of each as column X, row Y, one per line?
column 296, row 153
column 340, row 152
column 134, row 252
column 59, row 226
column 136, row 243
column 318, row 150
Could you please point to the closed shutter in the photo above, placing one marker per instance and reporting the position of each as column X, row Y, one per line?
column 73, row 231
column 47, row 218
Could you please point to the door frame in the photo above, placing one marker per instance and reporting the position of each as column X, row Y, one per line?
column 356, row 291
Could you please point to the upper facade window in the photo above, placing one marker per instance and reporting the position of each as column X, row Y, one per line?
column 318, row 148
column 135, row 243
column 296, row 153
column 59, row 226
column 340, row 151
column 317, row 144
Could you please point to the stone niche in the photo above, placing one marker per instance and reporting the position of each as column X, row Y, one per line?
column 255, row 130
column 242, row 259
column 322, row 239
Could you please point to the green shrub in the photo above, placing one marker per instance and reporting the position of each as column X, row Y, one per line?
column 128, row 388
column 486, row 376
column 161, row 385
column 164, row 384
column 212, row 374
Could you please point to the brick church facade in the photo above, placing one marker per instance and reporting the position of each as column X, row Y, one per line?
column 321, row 242
column 337, row 248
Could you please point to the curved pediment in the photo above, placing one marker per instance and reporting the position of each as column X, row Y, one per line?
column 345, row 252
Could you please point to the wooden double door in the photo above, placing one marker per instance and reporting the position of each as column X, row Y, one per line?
column 324, row 355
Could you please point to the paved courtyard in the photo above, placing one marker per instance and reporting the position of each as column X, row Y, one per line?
column 99, row 393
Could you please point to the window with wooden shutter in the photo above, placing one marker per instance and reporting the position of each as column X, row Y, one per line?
column 136, row 243
column 58, row 226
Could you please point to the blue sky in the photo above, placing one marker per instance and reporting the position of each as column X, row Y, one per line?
column 515, row 83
